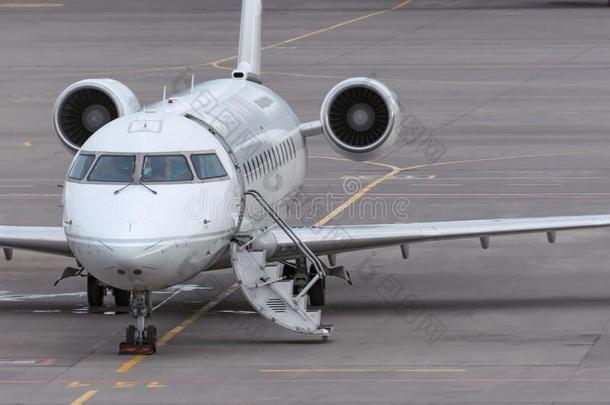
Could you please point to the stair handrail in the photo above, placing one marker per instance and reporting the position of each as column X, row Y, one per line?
column 315, row 260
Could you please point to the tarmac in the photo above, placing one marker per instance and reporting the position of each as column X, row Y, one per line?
column 511, row 102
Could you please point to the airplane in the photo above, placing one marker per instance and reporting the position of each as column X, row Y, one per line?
column 158, row 194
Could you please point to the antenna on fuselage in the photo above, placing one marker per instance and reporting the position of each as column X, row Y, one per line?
column 249, row 54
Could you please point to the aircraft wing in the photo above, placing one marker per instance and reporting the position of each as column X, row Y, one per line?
column 36, row 238
column 326, row 240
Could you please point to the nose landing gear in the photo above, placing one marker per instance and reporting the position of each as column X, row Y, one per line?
column 140, row 339
column 96, row 291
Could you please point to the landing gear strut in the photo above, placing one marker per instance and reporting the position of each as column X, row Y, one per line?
column 298, row 273
column 317, row 293
column 140, row 339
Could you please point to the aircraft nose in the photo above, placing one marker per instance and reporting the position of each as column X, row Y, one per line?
column 127, row 259
column 132, row 265
column 123, row 265
column 147, row 265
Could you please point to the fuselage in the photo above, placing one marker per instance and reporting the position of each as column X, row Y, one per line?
column 155, row 197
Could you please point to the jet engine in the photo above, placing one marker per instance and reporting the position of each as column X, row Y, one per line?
column 360, row 118
column 87, row 105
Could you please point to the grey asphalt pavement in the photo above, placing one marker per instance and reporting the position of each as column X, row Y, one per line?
column 516, row 96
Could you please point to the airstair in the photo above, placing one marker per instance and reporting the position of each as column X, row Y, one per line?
column 269, row 291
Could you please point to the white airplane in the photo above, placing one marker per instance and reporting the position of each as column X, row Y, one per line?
column 156, row 195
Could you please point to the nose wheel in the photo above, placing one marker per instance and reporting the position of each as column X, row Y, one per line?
column 95, row 292
column 139, row 338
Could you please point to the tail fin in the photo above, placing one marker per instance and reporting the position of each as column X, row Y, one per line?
column 249, row 56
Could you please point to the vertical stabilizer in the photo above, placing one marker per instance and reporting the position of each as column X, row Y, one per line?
column 249, row 56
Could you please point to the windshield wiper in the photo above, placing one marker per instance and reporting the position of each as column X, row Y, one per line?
column 122, row 188
column 146, row 187
column 133, row 184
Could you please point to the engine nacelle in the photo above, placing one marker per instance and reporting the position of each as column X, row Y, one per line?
column 87, row 105
column 360, row 118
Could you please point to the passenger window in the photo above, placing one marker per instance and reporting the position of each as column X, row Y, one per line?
column 81, row 166
column 272, row 158
column 275, row 159
column 114, row 168
column 268, row 160
column 283, row 148
column 208, row 166
column 166, row 168
column 258, row 166
column 294, row 151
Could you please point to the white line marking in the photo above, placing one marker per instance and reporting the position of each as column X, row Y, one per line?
column 535, row 184
column 435, row 185
column 9, row 196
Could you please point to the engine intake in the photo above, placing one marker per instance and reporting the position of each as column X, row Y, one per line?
column 86, row 106
column 358, row 117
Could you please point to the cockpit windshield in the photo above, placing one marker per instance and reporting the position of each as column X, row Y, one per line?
column 81, row 166
column 166, row 168
column 208, row 166
column 113, row 168
column 147, row 168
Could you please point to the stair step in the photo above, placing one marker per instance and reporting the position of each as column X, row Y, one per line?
column 274, row 271
column 271, row 296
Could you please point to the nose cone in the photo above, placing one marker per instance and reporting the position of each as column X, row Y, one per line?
column 137, row 240
column 148, row 265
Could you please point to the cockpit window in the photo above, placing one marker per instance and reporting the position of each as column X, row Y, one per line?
column 114, row 168
column 208, row 166
column 166, row 168
column 81, row 166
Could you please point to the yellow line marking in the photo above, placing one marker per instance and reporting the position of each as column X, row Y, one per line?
column 217, row 63
column 125, row 367
column 189, row 321
column 124, row 384
column 85, row 397
column 365, row 370
column 395, row 170
column 155, row 384
column 128, row 365
column 30, row 5
column 339, row 25
column 432, row 177
column 355, row 197
column 77, row 384
column 493, row 159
